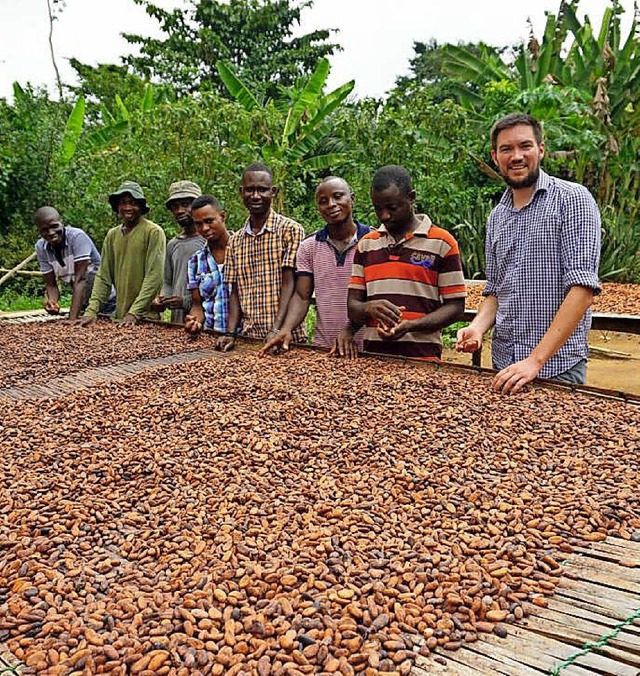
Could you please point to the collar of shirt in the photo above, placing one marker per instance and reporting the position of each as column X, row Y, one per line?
column 542, row 185
column 267, row 227
column 361, row 230
column 421, row 231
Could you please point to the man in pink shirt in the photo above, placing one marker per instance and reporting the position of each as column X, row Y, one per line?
column 323, row 265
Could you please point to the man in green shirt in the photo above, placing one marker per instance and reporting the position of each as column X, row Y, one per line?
column 132, row 260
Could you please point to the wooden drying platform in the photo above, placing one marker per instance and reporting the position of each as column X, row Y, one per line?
column 595, row 594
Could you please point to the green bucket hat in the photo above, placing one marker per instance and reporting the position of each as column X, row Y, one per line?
column 182, row 190
column 134, row 190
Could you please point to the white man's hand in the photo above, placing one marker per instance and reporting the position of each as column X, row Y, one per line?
column 469, row 339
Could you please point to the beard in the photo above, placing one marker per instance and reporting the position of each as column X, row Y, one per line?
column 525, row 182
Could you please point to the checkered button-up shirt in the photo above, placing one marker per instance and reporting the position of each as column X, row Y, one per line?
column 204, row 274
column 534, row 256
column 255, row 263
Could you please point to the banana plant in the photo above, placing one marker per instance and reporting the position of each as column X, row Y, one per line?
column 296, row 138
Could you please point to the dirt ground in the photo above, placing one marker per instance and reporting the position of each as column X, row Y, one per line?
column 607, row 370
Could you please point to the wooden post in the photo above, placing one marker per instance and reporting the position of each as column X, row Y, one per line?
column 13, row 271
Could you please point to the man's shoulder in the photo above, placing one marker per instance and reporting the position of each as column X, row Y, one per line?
column 282, row 221
column 150, row 225
column 40, row 245
column 370, row 241
column 569, row 190
column 438, row 232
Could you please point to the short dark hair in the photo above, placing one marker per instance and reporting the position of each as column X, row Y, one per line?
column 205, row 200
column 258, row 166
column 392, row 174
column 513, row 120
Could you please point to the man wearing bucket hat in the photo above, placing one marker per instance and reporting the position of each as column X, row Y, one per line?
column 132, row 260
column 174, row 294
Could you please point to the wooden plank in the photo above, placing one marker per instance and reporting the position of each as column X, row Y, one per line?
column 527, row 650
column 465, row 662
column 620, row 648
column 622, row 604
column 586, row 611
column 600, row 565
column 616, row 608
column 628, row 548
column 601, row 577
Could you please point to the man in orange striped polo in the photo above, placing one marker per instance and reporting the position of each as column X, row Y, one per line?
column 407, row 282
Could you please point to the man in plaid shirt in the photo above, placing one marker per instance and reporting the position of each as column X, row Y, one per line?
column 542, row 257
column 260, row 263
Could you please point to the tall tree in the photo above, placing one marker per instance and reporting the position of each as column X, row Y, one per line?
column 255, row 36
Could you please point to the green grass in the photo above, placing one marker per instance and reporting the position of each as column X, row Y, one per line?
column 15, row 301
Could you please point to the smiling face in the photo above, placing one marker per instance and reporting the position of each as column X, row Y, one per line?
column 334, row 201
column 210, row 223
column 129, row 209
column 394, row 208
column 518, row 155
column 50, row 226
column 257, row 192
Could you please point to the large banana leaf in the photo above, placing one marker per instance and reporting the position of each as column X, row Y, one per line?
column 322, row 162
column 123, row 113
column 328, row 104
column 240, row 92
column 105, row 136
column 307, row 99
column 147, row 99
column 72, row 133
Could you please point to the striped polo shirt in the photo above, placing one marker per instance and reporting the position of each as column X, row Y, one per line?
column 330, row 270
column 419, row 272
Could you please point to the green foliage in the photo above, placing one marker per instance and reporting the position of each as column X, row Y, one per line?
column 255, row 36
column 296, row 123
column 31, row 132
column 72, row 132
column 432, row 141
column 436, row 123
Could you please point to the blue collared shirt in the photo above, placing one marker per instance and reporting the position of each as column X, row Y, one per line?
column 204, row 274
column 534, row 256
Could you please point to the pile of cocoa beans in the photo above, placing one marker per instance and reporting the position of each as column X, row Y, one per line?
column 37, row 352
column 617, row 298
column 295, row 514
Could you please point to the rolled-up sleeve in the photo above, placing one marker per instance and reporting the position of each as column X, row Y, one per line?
column 580, row 241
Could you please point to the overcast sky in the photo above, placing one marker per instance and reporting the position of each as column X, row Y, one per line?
column 378, row 43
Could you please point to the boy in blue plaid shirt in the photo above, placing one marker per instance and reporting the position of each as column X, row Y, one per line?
column 205, row 271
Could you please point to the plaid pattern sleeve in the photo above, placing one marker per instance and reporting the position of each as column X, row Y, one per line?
column 231, row 271
column 292, row 236
column 580, row 241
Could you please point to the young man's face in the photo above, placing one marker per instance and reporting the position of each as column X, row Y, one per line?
column 257, row 192
column 181, row 210
column 393, row 207
column 334, row 201
column 129, row 209
column 51, row 228
column 518, row 156
column 209, row 222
